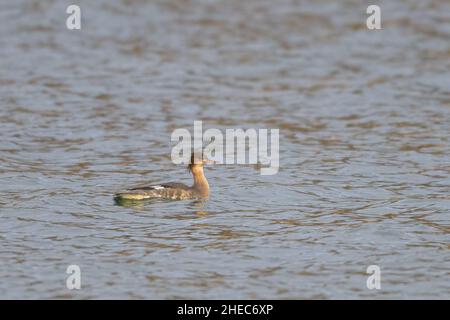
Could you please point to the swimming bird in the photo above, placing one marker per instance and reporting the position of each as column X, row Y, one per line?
column 173, row 190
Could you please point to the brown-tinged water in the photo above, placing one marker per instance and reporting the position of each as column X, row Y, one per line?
column 364, row 119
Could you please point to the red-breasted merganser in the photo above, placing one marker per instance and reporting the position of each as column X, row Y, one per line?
column 173, row 190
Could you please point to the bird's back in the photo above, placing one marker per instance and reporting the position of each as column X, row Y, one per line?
column 171, row 190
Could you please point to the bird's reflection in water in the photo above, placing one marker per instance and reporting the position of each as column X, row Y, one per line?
column 199, row 206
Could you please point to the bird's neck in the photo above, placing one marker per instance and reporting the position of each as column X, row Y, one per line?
column 200, row 183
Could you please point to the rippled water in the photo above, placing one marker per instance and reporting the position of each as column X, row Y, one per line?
column 364, row 119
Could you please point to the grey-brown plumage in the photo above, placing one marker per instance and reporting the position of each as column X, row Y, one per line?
column 173, row 190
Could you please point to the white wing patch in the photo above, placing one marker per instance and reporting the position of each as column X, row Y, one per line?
column 157, row 187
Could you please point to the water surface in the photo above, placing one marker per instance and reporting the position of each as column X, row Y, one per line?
column 364, row 119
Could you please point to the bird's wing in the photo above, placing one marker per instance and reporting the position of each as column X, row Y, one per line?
column 175, row 185
column 170, row 185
